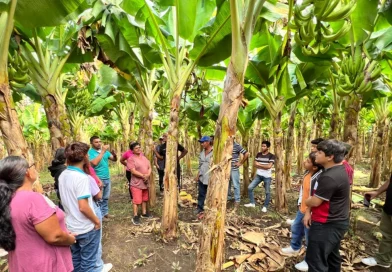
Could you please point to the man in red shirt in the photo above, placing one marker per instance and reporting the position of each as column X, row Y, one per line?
column 328, row 209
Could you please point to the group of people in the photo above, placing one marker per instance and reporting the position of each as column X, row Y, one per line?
column 42, row 236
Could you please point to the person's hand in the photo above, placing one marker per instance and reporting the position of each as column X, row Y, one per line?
column 97, row 225
column 105, row 147
column 238, row 164
column 307, row 220
column 113, row 152
column 100, row 184
column 197, row 179
column 73, row 236
column 157, row 166
column 372, row 194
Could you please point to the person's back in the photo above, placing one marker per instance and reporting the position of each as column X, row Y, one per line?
column 33, row 252
column 75, row 185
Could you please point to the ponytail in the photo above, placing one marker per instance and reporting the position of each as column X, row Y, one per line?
column 12, row 173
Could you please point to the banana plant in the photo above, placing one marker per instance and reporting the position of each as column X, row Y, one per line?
column 382, row 109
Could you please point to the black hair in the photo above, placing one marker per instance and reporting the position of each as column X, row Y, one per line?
column 312, row 157
column 12, row 174
column 316, row 141
column 133, row 145
column 333, row 148
column 59, row 157
column 267, row 143
column 76, row 152
column 93, row 138
column 348, row 148
column 130, row 144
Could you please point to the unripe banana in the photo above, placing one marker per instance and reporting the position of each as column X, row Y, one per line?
column 341, row 32
column 331, row 7
column 324, row 49
column 298, row 39
column 340, row 13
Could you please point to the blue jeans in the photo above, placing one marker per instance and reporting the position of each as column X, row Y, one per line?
column 84, row 252
column 256, row 181
column 298, row 231
column 104, row 203
column 235, row 180
column 201, row 197
column 99, row 263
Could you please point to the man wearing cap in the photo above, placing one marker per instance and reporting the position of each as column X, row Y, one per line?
column 160, row 165
column 203, row 175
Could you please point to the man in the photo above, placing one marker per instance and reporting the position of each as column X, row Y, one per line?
column 99, row 159
column 75, row 191
column 263, row 162
column 235, row 172
column 314, row 143
column 383, row 257
column 160, row 165
column 327, row 214
column 162, row 156
column 203, row 175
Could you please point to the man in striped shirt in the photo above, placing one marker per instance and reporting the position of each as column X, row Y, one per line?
column 235, row 171
column 264, row 161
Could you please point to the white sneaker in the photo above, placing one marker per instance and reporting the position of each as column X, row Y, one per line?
column 289, row 251
column 372, row 262
column 250, row 205
column 107, row 267
column 302, row 266
column 264, row 209
column 289, row 221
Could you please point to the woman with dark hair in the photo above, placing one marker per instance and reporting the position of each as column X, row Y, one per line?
column 57, row 167
column 128, row 174
column 32, row 231
column 141, row 170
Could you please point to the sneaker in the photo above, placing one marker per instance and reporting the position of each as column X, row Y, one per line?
column 147, row 215
column 289, row 221
column 289, row 251
column 264, row 209
column 107, row 267
column 302, row 266
column 250, row 205
column 136, row 220
column 372, row 262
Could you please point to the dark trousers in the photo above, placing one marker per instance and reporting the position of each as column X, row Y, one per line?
column 128, row 174
column 179, row 177
column 322, row 254
column 201, row 197
column 161, row 174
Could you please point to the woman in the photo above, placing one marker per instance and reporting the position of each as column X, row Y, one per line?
column 57, row 167
column 140, row 168
column 32, row 231
column 128, row 174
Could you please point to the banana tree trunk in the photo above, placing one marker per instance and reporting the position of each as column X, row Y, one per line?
column 58, row 123
column 313, row 133
column 212, row 232
column 376, row 162
column 246, row 181
column 257, row 144
column 125, row 127
column 350, row 133
column 388, row 156
column 319, row 127
column 280, row 185
column 142, row 131
column 149, row 149
column 372, row 141
column 301, row 145
column 384, row 170
column 334, row 129
column 131, row 121
column 289, row 147
column 360, row 146
column 188, row 146
column 170, row 215
column 11, row 129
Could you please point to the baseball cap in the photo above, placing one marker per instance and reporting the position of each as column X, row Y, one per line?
column 205, row 139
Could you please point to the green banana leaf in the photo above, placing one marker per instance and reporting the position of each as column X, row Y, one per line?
column 362, row 19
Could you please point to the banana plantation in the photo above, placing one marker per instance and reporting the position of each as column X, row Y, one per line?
column 246, row 72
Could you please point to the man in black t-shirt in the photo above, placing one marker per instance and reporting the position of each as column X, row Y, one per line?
column 383, row 257
column 162, row 156
column 328, row 210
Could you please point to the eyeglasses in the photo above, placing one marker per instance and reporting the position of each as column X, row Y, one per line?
column 32, row 165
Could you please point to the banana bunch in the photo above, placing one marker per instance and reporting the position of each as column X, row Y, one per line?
column 356, row 74
column 17, row 71
column 311, row 18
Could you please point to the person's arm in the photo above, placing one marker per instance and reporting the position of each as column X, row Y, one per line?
column 113, row 156
column 98, row 196
column 97, row 160
column 52, row 233
column 313, row 201
column 307, row 220
column 123, row 160
column 156, row 162
column 325, row 190
column 382, row 189
column 159, row 156
column 264, row 166
column 137, row 173
column 244, row 158
column 86, row 210
column 184, row 151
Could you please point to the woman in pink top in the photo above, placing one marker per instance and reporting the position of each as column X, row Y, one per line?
column 141, row 170
column 31, row 230
column 128, row 174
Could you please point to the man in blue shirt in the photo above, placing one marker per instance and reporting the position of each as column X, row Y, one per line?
column 99, row 159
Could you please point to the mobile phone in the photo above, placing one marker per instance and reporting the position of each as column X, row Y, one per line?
column 366, row 200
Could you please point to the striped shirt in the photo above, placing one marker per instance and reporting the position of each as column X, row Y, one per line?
column 265, row 160
column 237, row 150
